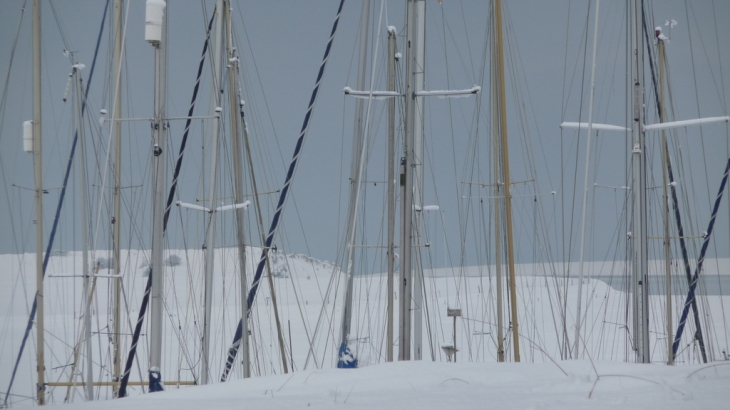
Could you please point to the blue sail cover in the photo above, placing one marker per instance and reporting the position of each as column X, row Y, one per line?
column 156, row 380
column 346, row 359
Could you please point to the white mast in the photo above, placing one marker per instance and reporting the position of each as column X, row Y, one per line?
column 414, row 73
column 417, row 117
column 665, row 196
column 89, row 385
column 639, row 238
column 37, row 159
column 391, row 190
column 116, row 224
column 585, row 186
column 496, row 158
column 358, row 154
column 502, row 107
column 209, row 241
column 234, row 102
column 155, row 33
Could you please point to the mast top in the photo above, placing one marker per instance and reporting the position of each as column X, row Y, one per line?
column 155, row 10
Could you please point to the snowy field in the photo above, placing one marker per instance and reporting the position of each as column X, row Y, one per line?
column 309, row 296
column 427, row 385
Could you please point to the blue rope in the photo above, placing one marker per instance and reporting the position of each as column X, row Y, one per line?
column 233, row 350
column 691, row 294
column 58, row 211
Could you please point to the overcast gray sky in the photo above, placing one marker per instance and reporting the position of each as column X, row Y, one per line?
column 282, row 42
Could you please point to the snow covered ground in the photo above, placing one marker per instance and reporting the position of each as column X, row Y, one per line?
column 428, row 385
column 309, row 296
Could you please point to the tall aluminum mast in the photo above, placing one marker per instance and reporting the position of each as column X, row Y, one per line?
column 210, row 230
column 116, row 224
column 391, row 191
column 235, row 101
column 37, row 160
column 502, row 106
column 89, row 382
column 156, row 34
column 418, row 60
column 414, row 73
column 639, row 235
column 345, row 358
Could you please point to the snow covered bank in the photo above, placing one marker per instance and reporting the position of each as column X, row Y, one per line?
column 428, row 385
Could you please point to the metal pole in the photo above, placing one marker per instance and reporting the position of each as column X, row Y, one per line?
column 85, row 241
column 234, row 102
column 496, row 147
column 37, row 160
column 209, row 246
column 585, row 185
column 454, row 339
column 639, row 258
column 391, row 192
column 505, row 170
column 158, row 201
column 357, row 155
column 419, row 61
column 404, row 330
column 116, row 224
column 665, row 192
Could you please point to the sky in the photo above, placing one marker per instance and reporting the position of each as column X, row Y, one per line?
column 281, row 44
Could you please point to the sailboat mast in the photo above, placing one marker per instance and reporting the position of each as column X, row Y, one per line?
column 585, row 185
column 505, row 173
column 89, row 385
column 116, row 225
column 355, row 185
column 419, row 60
column 639, row 236
column 37, row 160
column 414, row 41
column 665, row 196
column 233, row 100
column 209, row 246
column 158, row 204
column 497, row 202
column 391, row 190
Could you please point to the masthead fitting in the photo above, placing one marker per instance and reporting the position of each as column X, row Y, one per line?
column 155, row 10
